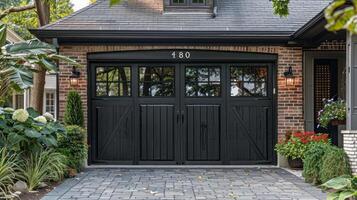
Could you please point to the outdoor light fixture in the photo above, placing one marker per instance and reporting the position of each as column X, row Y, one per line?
column 74, row 78
column 289, row 76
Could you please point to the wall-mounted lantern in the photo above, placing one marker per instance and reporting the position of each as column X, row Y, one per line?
column 289, row 76
column 74, row 78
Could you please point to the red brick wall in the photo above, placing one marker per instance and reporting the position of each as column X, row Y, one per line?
column 290, row 98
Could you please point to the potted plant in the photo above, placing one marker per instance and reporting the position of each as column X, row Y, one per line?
column 334, row 113
column 294, row 147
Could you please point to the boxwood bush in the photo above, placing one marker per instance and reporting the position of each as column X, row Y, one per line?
column 334, row 164
column 323, row 162
column 312, row 162
column 73, row 145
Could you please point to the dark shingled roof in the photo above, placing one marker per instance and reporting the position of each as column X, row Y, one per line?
column 232, row 16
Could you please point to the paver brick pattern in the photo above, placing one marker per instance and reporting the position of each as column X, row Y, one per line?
column 161, row 184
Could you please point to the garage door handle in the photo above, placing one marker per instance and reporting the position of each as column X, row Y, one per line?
column 177, row 116
column 183, row 117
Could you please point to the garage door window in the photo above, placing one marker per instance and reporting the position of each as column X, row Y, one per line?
column 156, row 81
column 248, row 81
column 203, row 81
column 113, row 81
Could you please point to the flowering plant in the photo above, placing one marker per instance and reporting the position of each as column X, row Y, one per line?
column 333, row 110
column 296, row 146
column 26, row 130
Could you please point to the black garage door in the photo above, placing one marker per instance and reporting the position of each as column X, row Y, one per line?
column 200, row 108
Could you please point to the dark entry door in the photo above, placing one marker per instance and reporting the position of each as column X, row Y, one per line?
column 325, row 88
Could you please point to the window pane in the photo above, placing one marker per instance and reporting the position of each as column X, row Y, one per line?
column 156, row 81
column 248, row 81
column 101, row 89
column 203, row 81
column 113, row 81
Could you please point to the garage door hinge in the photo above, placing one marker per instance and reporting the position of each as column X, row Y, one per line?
column 274, row 91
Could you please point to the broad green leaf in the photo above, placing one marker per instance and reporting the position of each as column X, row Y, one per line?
column 17, row 76
column 337, row 183
column 34, row 47
column 32, row 133
column 64, row 58
column 32, row 112
column 332, row 196
column 345, row 195
column 2, row 34
column 48, row 65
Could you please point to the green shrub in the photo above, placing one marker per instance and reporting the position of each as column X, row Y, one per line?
column 8, row 167
column 334, row 164
column 26, row 131
column 42, row 166
column 312, row 162
column 74, row 114
column 73, row 145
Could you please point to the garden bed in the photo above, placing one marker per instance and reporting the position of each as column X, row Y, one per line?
column 40, row 192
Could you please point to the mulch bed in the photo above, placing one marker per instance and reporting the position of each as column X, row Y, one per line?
column 39, row 193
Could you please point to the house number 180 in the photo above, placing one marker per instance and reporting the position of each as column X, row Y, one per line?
column 181, row 55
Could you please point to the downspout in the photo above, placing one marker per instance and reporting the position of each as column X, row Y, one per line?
column 215, row 9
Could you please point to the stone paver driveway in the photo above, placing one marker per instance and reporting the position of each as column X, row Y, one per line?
column 245, row 183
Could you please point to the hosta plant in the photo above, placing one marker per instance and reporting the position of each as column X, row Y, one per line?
column 332, row 110
column 25, row 131
column 340, row 188
column 42, row 166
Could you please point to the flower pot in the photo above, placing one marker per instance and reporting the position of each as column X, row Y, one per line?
column 336, row 122
column 295, row 163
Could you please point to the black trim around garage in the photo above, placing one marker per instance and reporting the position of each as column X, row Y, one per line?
column 123, row 36
column 163, row 56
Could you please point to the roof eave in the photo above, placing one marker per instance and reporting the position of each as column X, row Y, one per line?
column 151, row 36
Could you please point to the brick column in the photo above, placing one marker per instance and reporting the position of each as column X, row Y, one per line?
column 350, row 147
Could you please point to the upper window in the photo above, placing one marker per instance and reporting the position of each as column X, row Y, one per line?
column 188, row 3
column 156, row 81
column 203, row 81
column 113, row 81
column 249, row 81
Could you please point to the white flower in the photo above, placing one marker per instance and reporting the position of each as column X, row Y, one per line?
column 41, row 119
column 48, row 116
column 20, row 115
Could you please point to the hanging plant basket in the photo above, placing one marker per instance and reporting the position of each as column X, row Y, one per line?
column 295, row 163
column 336, row 122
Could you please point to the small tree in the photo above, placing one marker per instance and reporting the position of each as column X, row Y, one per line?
column 74, row 114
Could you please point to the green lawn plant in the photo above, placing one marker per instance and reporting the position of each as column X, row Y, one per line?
column 42, row 166
column 74, row 146
column 74, row 112
column 341, row 188
column 8, row 168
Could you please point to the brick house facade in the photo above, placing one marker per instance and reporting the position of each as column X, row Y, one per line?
column 225, row 35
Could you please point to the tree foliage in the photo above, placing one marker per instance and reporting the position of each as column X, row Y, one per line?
column 340, row 14
column 19, row 60
column 58, row 10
